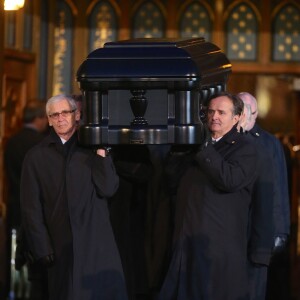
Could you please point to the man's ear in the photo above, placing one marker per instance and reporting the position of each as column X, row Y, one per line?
column 77, row 115
column 50, row 124
column 236, row 118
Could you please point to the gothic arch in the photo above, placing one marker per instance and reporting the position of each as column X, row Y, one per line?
column 148, row 21
column 242, row 30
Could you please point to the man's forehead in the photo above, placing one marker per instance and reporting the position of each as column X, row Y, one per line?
column 221, row 103
column 248, row 101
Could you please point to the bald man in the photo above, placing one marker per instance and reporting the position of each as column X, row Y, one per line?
column 270, row 200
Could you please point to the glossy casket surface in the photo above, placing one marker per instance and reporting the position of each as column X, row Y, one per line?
column 149, row 91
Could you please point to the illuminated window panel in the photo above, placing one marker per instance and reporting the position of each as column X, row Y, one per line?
column 63, row 38
column 43, row 50
column 242, row 32
column 10, row 29
column 286, row 35
column 148, row 22
column 103, row 25
column 195, row 22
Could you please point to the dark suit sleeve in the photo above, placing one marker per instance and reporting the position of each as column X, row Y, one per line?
column 104, row 176
column 229, row 175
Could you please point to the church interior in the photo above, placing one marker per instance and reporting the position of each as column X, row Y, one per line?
column 45, row 42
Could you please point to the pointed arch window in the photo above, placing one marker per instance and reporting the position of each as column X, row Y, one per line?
column 242, row 33
column 63, row 40
column 148, row 21
column 195, row 22
column 286, row 34
column 103, row 25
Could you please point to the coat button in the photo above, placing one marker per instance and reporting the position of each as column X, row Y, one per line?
column 207, row 160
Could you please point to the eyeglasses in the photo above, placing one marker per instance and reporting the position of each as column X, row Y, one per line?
column 64, row 113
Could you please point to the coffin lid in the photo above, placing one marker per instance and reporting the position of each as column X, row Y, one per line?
column 155, row 60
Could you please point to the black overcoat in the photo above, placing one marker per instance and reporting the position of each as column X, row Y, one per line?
column 261, row 229
column 261, row 225
column 64, row 211
column 15, row 151
column 281, row 202
column 209, row 260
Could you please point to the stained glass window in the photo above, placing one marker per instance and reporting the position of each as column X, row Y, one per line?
column 195, row 22
column 63, row 38
column 286, row 34
column 148, row 21
column 44, row 47
column 103, row 25
column 242, row 33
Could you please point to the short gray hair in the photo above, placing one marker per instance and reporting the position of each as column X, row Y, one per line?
column 58, row 98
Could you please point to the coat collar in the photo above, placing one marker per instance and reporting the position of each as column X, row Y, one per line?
column 230, row 137
column 255, row 131
column 53, row 140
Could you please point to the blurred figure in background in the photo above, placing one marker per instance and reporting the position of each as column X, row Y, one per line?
column 278, row 271
column 35, row 124
column 260, row 236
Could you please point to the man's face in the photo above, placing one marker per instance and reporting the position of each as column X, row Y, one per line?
column 220, row 118
column 63, row 124
column 250, row 113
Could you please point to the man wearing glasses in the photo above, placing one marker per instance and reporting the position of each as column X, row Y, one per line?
column 64, row 188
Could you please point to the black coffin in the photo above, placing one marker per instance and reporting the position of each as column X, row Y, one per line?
column 149, row 91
